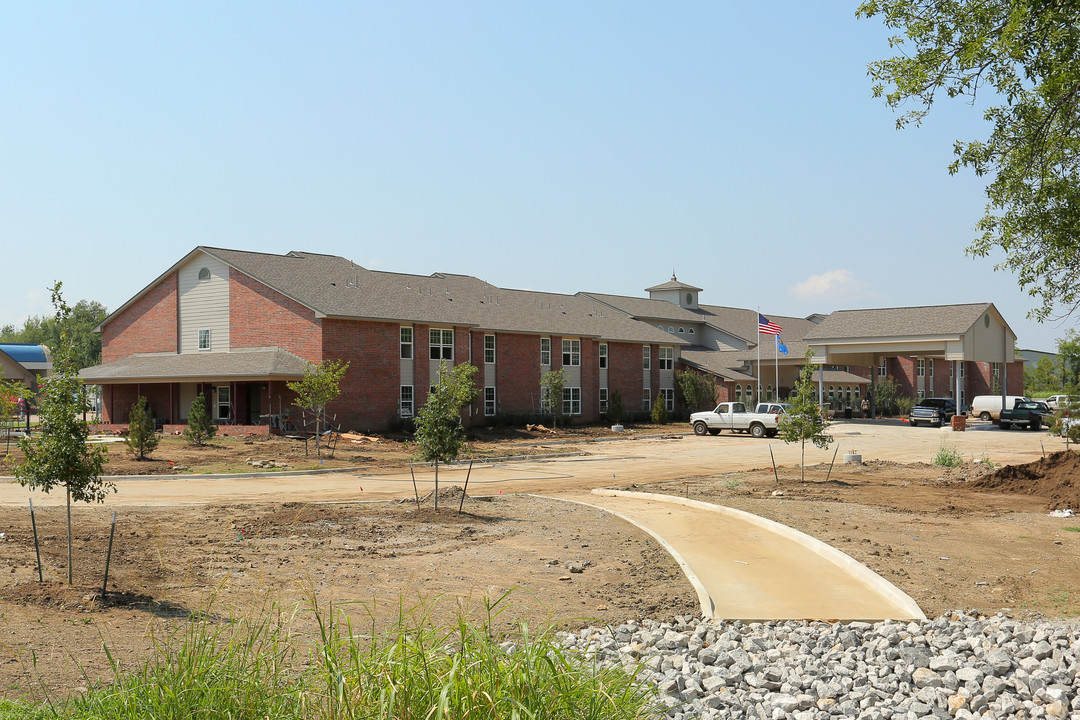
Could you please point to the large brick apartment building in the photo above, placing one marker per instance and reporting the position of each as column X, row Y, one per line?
column 235, row 326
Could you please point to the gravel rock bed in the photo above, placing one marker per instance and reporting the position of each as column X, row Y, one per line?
column 959, row 665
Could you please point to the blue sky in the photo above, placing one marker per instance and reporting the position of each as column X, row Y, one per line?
column 552, row 146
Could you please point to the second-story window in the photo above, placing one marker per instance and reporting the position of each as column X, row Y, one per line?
column 204, row 339
column 920, row 367
column 646, row 357
column 571, row 352
column 406, row 343
column 603, row 355
column 489, row 349
column 545, row 351
column 667, row 357
column 441, row 344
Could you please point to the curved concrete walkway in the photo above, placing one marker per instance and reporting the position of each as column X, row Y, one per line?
column 746, row 567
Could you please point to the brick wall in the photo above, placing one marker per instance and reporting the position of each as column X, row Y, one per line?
column 261, row 317
column 148, row 325
column 370, row 390
column 590, row 380
column 517, row 373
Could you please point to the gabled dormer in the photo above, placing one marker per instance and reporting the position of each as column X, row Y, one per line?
column 675, row 292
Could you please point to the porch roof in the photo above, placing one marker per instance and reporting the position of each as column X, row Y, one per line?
column 259, row 364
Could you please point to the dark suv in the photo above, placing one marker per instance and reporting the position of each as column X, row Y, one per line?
column 933, row 411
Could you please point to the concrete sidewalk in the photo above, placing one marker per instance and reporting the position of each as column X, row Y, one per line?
column 746, row 567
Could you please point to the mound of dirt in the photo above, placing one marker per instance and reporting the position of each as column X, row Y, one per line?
column 1055, row 477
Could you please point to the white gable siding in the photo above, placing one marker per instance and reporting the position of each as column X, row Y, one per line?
column 204, row 304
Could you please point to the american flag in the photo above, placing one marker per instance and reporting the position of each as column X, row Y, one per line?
column 765, row 326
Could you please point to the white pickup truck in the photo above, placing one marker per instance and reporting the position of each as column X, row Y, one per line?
column 734, row 416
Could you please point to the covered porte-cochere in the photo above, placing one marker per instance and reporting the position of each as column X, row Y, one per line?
column 964, row 336
column 245, row 389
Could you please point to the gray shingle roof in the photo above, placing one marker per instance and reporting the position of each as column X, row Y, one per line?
column 646, row 308
column 743, row 323
column 336, row 287
column 899, row 322
column 254, row 364
column 672, row 284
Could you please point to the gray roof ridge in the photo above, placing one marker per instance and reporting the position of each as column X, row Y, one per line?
column 984, row 303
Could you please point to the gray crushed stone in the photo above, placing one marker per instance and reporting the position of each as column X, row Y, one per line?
column 960, row 665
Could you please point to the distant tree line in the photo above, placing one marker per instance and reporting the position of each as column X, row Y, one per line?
column 44, row 330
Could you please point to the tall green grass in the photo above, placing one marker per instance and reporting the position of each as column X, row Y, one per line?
column 417, row 670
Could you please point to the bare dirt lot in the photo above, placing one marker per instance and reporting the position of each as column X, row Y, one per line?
column 951, row 538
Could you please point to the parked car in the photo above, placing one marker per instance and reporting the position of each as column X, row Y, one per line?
column 932, row 411
column 1032, row 414
column 1059, row 402
column 734, row 416
column 776, row 408
column 988, row 407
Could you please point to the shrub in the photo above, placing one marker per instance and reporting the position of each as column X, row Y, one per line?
column 659, row 412
column 199, row 429
column 142, row 436
column 616, row 411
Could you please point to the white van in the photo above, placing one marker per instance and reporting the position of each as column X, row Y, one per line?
column 988, row 407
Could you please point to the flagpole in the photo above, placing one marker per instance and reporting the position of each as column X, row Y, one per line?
column 758, row 369
column 776, row 358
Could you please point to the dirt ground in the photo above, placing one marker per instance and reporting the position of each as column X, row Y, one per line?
column 230, row 453
column 968, row 537
column 170, row 563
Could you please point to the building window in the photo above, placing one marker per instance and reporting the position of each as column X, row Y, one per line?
column 545, row 351
column 603, row 400
column 847, row 394
column 691, row 331
column 883, row 368
column 224, row 406
column 681, row 330
column 489, row 351
column 668, row 394
column 571, row 353
column 931, row 367
column 204, row 339
column 406, row 401
column 489, row 401
column 441, row 344
column 920, row 367
column 646, row 357
column 858, row 393
column 571, row 401
column 738, row 393
column 667, row 357
column 961, row 370
column 768, row 393
column 545, row 404
column 406, row 343
column 660, row 328
column 603, row 355
column 920, row 394
column 204, row 273
column 671, row 328
column 646, row 399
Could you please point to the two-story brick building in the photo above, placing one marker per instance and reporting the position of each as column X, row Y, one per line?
column 236, row 326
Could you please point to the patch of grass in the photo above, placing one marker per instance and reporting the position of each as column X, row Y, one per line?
column 260, row 668
column 1071, row 529
column 948, row 456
